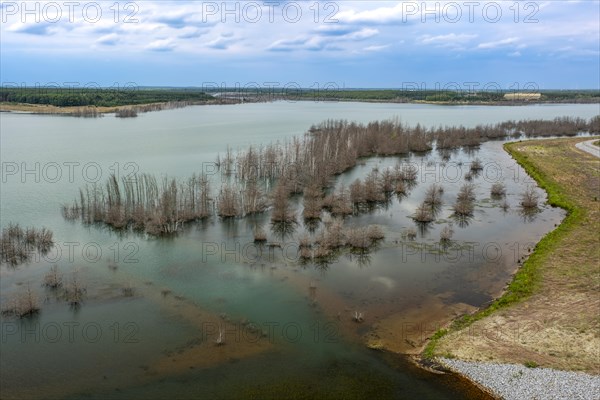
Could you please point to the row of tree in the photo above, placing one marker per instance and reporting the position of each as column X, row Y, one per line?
column 143, row 203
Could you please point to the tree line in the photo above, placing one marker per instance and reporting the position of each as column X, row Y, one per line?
column 442, row 95
column 70, row 97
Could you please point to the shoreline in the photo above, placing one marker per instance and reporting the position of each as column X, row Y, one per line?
column 522, row 289
column 79, row 111
column 505, row 381
column 99, row 111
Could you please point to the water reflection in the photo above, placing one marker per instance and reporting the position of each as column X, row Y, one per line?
column 284, row 230
column 230, row 227
column 322, row 265
column 362, row 259
column 312, row 224
column 173, row 262
column 423, row 228
column 462, row 221
column 528, row 214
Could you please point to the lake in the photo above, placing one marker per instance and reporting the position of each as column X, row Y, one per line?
column 288, row 326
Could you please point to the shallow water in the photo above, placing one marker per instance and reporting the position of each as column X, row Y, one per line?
column 151, row 345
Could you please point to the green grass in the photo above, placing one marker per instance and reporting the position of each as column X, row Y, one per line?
column 527, row 278
column 430, row 348
column 531, row 364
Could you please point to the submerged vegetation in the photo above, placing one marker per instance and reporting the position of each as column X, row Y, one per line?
column 23, row 304
column 144, row 204
column 17, row 244
column 464, row 205
column 560, row 253
column 335, row 237
column 529, row 198
column 265, row 178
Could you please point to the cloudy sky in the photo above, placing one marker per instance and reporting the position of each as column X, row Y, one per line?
column 545, row 44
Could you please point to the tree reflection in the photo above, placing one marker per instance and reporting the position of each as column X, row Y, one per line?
column 528, row 214
column 362, row 259
column 312, row 224
column 283, row 229
column 423, row 228
column 462, row 220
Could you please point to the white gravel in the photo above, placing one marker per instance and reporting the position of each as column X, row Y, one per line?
column 510, row 381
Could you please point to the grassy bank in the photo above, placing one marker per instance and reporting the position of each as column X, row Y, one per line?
column 562, row 268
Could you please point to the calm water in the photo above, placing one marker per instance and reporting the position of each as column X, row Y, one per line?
column 154, row 344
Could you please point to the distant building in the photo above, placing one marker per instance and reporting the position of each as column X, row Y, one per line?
column 522, row 96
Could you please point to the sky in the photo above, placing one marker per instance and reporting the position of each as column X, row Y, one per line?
column 342, row 44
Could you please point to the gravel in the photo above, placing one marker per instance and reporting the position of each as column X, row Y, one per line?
column 510, row 381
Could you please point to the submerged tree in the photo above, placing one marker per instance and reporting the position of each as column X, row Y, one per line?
column 18, row 244
column 498, row 190
column 23, row 304
column 229, row 202
column 313, row 202
column 53, row 279
column 529, row 198
column 433, row 195
column 281, row 205
column 142, row 203
column 423, row 213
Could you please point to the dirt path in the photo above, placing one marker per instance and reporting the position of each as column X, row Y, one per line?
column 558, row 326
column 589, row 147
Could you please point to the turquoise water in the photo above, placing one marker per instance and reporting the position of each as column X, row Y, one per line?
column 211, row 269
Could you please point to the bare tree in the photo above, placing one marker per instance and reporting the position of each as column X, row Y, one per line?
column 498, row 190
column 260, row 235
column 53, row 279
column 446, row 234
column 228, row 202
column 466, row 193
column 281, row 205
column 423, row 213
column 22, row 304
column 75, row 290
column 16, row 244
column 375, row 233
column 529, row 198
column 476, row 165
column 357, row 192
column 464, row 205
column 373, row 190
column 433, row 195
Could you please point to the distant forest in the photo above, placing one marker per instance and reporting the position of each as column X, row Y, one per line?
column 458, row 96
column 69, row 97
column 491, row 97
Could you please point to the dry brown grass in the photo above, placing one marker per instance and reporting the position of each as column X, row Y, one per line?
column 49, row 109
column 558, row 326
column 125, row 110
